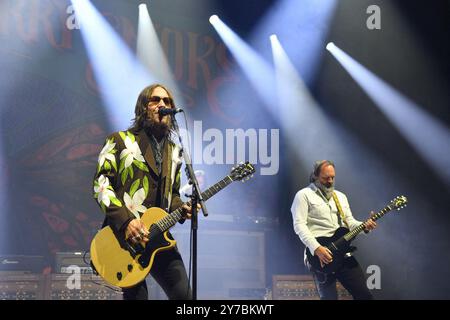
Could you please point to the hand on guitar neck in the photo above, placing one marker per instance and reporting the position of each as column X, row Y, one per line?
column 370, row 224
column 187, row 209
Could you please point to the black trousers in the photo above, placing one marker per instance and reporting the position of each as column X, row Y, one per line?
column 169, row 272
column 352, row 278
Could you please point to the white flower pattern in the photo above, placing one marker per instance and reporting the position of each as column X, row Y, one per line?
column 135, row 204
column 131, row 152
column 176, row 160
column 104, row 193
column 106, row 153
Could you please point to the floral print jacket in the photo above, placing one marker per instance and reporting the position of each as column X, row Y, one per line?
column 125, row 184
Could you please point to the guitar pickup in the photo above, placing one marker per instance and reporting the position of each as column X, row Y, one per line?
column 135, row 249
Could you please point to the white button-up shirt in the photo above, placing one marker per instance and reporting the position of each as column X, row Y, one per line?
column 313, row 216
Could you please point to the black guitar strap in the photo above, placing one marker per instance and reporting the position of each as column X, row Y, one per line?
column 341, row 212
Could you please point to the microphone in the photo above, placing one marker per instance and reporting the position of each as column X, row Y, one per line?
column 166, row 111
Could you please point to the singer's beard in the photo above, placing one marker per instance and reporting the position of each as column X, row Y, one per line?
column 326, row 190
column 158, row 129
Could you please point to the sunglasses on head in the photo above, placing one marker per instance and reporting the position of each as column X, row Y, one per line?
column 157, row 99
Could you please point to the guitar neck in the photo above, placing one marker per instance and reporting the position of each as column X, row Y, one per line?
column 352, row 234
column 171, row 219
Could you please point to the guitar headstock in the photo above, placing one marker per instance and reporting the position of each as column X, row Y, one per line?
column 243, row 172
column 398, row 202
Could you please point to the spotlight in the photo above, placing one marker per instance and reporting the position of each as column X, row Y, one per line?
column 273, row 37
column 329, row 46
column 213, row 19
column 142, row 6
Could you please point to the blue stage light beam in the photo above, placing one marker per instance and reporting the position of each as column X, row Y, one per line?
column 117, row 71
column 303, row 26
column 426, row 134
column 312, row 135
column 302, row 118
column 304, row 123
column 5, row 234
column 150, row 52
column 256, row 69
column 213, row 19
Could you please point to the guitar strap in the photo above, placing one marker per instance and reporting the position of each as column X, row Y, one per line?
column 338, row 206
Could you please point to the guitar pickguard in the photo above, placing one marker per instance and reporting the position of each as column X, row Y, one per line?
column 158, row 242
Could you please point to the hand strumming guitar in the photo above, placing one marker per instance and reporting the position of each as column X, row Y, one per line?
column 324, row 254
column 137, row 231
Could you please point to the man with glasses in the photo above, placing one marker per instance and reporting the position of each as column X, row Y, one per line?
column 138, row 169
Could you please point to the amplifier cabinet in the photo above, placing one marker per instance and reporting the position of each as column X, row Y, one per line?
column 91, row 288
column 300, row 287
column 29, row 286
column 21, row 286
column 64, row 260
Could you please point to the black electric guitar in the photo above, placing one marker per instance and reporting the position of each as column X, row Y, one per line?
column 123, row 263
column 339, row 243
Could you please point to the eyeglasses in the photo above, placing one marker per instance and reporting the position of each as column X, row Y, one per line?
column 155, row 99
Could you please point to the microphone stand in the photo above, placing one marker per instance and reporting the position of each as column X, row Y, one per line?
column 196, row 198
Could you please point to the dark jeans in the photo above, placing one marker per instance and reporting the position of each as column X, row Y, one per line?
column 351, row 276
column 169, row 272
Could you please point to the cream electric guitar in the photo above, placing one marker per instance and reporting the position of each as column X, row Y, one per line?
column 122, row 263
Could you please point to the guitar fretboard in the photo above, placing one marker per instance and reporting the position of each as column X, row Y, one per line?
column 352, row 234
column 171, row 219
